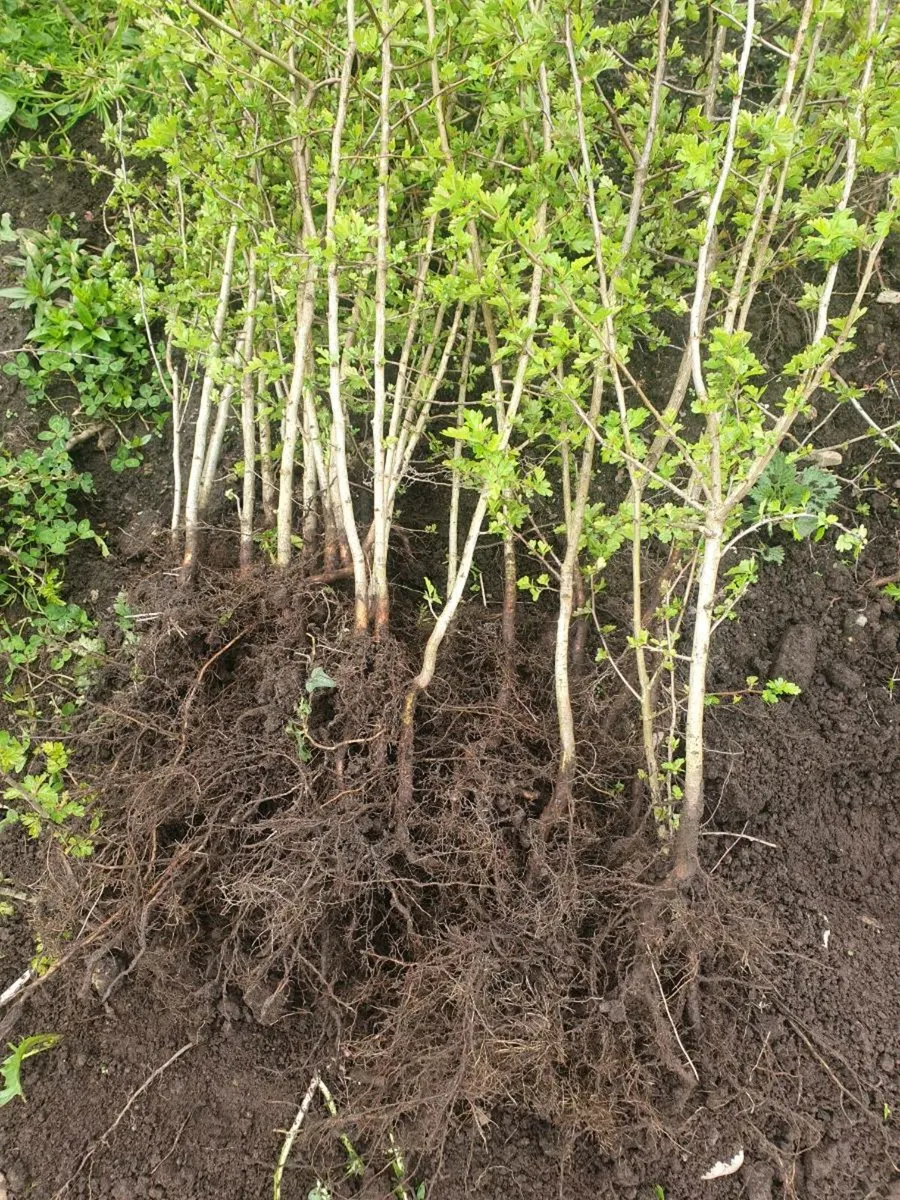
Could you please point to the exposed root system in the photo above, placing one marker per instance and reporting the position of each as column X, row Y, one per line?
column 249, row 831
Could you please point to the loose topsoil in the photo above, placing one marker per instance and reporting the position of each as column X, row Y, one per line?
column 181, row 1064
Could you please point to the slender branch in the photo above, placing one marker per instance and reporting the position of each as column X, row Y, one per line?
column 255, row 47
column 338, row 464
column 248, row 419
column 201, row 429
column 456, row 476
column 379, row 585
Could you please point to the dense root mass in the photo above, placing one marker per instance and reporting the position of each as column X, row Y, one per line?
column 249, row 829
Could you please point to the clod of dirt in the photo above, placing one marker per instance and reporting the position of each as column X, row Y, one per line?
column 821, row 1162
column 843, row 677
column 267, row 1004
column 853, row 623
column 15, row 1180
column 795, row 658
column 137, row 538
column 106, row 971
column 759, row 1179
column 4, row 1194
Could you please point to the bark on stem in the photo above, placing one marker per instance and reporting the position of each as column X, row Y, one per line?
column 220, row 428
column 574, row 527
column 379, row 600
column 338, row 464
column 176, row 443
column 455, row 479
column 266, row 469
column 248, row 422
column 310, row 478
column 304, row 316
column 688, row 840
column 201, row 429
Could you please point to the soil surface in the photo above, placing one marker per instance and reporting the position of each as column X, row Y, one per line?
column 175, row 1086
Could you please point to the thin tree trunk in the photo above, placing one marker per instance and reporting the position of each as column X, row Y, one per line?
column 248, row 422
column 379, row 600
column 574, row 526
column 688, row 840
column 266, row 469
column 176, row 444
column 338, row 464
column 285, row 518
column 217, row 439
column 310, row 478
column 201, row 430
column 456, row 480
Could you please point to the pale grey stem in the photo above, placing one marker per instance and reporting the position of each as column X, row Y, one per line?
column 248, row 419
column 456, row 478
column 201, row 429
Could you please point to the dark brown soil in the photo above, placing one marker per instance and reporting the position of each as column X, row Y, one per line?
column 471, row 993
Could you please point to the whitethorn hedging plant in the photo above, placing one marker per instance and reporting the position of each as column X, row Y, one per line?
column 464, row 234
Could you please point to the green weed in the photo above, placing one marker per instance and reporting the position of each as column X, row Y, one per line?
column 87, row 342
column 39, row 523
column 40, row 800
column 298, row 727
column 11, row 1067
column 87, row 350
column 63, row 60
column 784, row 491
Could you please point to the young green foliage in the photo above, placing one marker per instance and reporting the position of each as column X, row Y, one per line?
column 40, row 800
column 11, row 1066
column 63, row 61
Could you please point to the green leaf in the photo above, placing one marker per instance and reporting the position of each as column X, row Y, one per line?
column 7, row 108
column 318, row 680
column 11, row 1067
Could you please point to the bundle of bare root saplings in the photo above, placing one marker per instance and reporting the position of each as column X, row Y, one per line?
column 465, row 317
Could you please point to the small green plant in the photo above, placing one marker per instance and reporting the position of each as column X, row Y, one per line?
column 801, row 497
column 41, row 961
column 39, row 800
column 886, row 1111
column 87, row 342
column 39, row 523
column 432, row 597
column 401, row 1190
column 771, row 692
column 62, row 60
column 298, row 727
column 11, row 1067
column 356, row 1167
column 777, row 689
